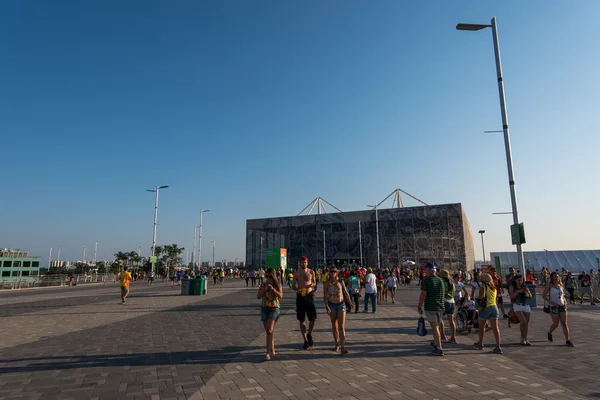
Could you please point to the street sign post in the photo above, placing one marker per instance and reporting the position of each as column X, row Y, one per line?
column 517, row 233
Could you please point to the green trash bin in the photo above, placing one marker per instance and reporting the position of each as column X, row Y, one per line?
column 532, row 301
column 197, row 286
column 203, row 285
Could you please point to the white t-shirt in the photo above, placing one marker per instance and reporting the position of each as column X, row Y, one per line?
column 459, row 290
column 391, row 281
column 370, row 284
column 476, row 286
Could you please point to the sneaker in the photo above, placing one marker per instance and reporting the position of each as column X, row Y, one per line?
column 505, row 316
column 570, row 344
column 437, row 352
column 549, row 337
column 305, row 345
column 123, row 301
column 593, row 304
column 432, row 343
column 478, row 346
column 452, row 341
column 310, row 340
column 497, row 350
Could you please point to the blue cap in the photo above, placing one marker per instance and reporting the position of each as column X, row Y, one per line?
column 430, row 265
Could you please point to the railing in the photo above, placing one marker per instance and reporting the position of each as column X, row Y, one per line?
column 58, row 280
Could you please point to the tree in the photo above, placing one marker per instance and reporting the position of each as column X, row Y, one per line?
column 101, row 267
column 172, row 255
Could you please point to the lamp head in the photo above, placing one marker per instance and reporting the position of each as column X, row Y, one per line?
column 471, row 27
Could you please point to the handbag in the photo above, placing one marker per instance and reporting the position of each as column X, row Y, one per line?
column 512, row 317
column 546, row 308
column 421, row 329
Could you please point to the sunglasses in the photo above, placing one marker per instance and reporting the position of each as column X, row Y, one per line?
column 333, row 271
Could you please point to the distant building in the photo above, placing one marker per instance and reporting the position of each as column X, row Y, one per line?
column 438, row 233
column 16, row 265
column 555, row 260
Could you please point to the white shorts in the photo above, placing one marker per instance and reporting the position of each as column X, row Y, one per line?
column 525, row 308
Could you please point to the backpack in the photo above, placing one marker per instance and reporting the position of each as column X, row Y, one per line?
column 421, row 329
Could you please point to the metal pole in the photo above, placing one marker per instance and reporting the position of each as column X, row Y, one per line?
column 200, row 242
column 511, row 178
column 213, row 243
column 194, row 247
column 259, row 255
column 377, row 228
column 547, row 265
column 360, row 244
column 154, row 233
column 58, row 261
column 50, row 259
column 96, row 251
column 84, row 248
column 483, row 247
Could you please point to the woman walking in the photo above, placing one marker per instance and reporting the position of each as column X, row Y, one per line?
column 391, row 283
column 570, row 285
column 449, row 304
column 555, row 295
column 335, row 296
column 488, row 312
column 355, row 288
column 270, row 292
column 519, row 295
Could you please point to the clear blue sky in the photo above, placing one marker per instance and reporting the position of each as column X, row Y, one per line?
column 254, row 108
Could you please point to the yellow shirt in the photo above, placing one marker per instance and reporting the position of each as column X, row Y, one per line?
column 490, row 293
column 124, row 278
column 324, row 277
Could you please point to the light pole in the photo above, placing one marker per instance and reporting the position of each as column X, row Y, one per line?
column 260, row 254
column 377, row 229
column 200, row 240
column 482, row 244
column 194, row 247
column 511, row 178
column 213, row 243
column 156, row 190
column 547, row 265
column 324, row 252
column 360, row 243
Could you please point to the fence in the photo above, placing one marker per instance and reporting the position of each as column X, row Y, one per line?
column 59, row 280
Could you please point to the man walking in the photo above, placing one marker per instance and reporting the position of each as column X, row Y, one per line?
column 432, row 297
column 370, row 291
column 124, row 282
column 303, row 283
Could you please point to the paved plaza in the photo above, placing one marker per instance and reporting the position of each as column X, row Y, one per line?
column 81, row 343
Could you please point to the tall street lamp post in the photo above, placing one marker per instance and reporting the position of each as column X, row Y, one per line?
column 324, row 251
column 213, row 243
column 156, row 190
column 200, row 240
column 481, row 232
column 511, row 178
column 377, row 229
column 547, row 265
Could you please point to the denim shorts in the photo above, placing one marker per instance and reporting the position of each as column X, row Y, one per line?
column 556, row 310
column 448, row 308
column 490, row 312
column 337, row 308
column 269, row 313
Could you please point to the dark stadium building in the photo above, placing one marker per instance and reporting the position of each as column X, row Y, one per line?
column 438, row 233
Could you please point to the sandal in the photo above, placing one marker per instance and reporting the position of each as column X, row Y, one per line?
column 336, row 349
column 344, row 351
column 267, row 358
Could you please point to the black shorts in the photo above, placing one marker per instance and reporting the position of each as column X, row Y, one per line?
column 499, row 299
column 305, row 307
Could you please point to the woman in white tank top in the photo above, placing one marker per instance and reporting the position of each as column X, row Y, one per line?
column 554, row 294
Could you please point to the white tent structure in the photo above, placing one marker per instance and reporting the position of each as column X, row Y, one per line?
column 572, row 260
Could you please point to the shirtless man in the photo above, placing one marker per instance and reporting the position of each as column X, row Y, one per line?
column 304, row 283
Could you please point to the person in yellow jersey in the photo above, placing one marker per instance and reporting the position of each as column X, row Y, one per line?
column 488, row 311
column 124, row 282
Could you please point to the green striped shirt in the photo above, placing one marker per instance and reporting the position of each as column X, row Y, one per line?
column 435, row 288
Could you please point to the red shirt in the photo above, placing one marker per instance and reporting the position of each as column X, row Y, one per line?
column 497, row 283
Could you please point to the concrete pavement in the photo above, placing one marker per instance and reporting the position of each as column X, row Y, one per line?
column 81, row 343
